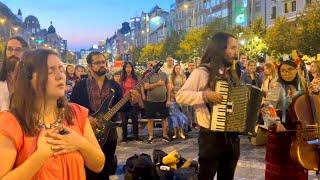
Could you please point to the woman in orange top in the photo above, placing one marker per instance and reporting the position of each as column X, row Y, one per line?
column 42, row 136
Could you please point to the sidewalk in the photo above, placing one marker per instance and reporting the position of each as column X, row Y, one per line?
column 250, row 165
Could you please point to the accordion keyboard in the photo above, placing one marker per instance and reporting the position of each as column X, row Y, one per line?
column 219, row 111
column 239, row 110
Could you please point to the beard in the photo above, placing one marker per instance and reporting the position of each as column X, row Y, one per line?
column 101, row 72
column 227, row 62
column 11, row 63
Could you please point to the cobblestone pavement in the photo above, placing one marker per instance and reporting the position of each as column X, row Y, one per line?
column 250, row 165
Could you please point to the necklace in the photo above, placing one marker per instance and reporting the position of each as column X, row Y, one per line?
column 53, row 125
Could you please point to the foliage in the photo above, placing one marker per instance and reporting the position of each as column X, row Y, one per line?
column 281, row 37
column 151, row 52
column 135, row 52
column 171, row 44
column 2, row 46
column 308, row 29
column 251, row 40
column 191, row 44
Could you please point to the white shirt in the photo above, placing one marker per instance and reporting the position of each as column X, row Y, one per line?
column 167, row 70
column 191, row 94
column 4, row 96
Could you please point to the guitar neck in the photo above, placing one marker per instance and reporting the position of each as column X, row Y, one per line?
column 124, row 100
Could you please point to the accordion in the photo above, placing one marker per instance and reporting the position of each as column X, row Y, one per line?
column 239, row 110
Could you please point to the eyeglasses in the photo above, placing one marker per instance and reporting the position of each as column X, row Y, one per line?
column 287, row 70
column 99, row 63
column 15, row 49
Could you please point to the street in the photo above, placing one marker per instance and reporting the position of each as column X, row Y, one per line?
column 250, row 165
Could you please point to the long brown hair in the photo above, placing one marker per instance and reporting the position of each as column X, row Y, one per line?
column 23, row 104
column 214, row 56
column 174, row 74
column 270, row 66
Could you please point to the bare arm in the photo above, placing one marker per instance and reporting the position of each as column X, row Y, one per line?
column 26, row 170
column 91, row 151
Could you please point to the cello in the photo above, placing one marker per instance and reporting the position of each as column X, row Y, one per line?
column 305, row 109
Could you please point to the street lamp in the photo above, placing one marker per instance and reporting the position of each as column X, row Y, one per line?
column 2, row 21
column 15, row 29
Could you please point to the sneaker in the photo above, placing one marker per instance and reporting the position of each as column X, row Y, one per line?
column 174, row 137
column 124, row 142
column 150, row 139
column 137, row 140
column 165, row 139
column 182, row 136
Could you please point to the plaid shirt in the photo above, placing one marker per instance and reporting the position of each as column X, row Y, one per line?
column 97, row 95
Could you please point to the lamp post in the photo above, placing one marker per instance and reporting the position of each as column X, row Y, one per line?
column 186, row 7
column 2, row 21
column 15, row 30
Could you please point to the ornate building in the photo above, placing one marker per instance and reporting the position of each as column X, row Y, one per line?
column 43, row 37
column 11, row 24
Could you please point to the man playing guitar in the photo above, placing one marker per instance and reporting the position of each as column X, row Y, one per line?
column 91, row 93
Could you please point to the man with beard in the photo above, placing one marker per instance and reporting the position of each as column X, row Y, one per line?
column 218, row 151
column 91, row 93
column 13, row 52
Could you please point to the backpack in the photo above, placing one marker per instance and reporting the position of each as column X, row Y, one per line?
column 140, row 167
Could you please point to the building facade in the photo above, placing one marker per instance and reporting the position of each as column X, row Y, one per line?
column 289, row 8
column 11, row 24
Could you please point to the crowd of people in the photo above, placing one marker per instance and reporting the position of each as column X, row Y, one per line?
column 46, row 110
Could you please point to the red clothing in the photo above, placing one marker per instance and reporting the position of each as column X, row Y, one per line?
column 128, row 84
column 279, row 165
column 63, row 167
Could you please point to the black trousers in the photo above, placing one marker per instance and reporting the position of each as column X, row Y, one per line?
column 218, row 153
column 110, row 165
column 133, row 114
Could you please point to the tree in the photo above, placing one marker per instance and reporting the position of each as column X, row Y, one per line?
column 252, row 40
column 218, row 25
column 171, row 43
column 191, row 44
column 135, row 53
column 308, row 27
column 151, row 52
column 2, row 47
column 281, row 38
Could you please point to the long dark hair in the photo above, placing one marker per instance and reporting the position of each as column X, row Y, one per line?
column 3, row 71
column 23, row 104
column 214, row 54
column 295, row 82
column 124, row 73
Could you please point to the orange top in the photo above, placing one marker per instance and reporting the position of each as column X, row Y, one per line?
column 62, row 167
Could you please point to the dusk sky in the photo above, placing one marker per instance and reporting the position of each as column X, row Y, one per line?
column 84, row 22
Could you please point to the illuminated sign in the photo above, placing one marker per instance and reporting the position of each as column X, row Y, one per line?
column 240, row 12
column 39, row 41
column 156, row 22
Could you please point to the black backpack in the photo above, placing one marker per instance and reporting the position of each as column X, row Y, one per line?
column 140, row 167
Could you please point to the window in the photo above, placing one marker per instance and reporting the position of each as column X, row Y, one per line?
column 274, row 12
column 290, row 7
column 286, row 7
column 294, row 6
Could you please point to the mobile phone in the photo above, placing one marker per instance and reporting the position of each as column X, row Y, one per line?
column 84, row 76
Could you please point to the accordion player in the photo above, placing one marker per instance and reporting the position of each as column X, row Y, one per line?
column 239, row 110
